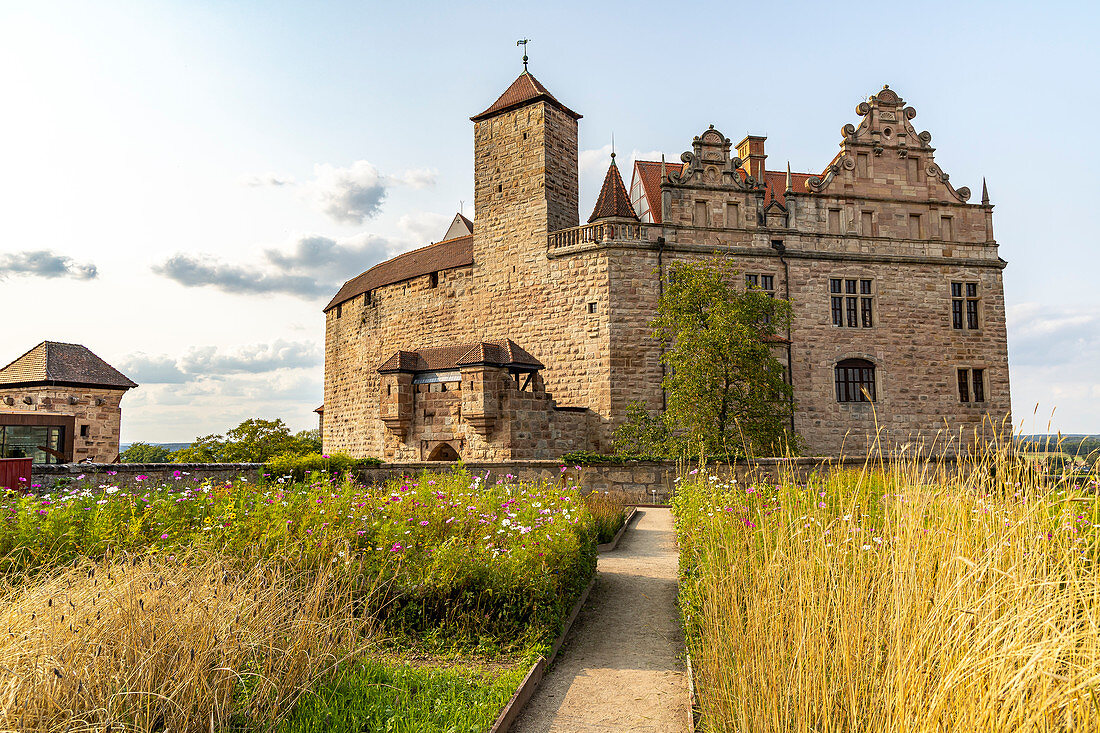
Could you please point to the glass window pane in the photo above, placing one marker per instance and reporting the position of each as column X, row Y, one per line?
column 979, row 385
column 834, row 285
column 972, row 290
column 957, row 313
column 850, row 305
column 964, row 389
column 850, row 286
column 865, row 312
column 838, row 315
column 865, row 287
column 971, row 314
column 956, row 290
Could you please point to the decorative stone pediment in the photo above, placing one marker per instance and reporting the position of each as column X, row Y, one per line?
column 885, row 130
column 710, row 165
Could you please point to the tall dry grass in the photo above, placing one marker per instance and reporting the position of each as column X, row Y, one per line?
column 896, row 598
column 167, row 645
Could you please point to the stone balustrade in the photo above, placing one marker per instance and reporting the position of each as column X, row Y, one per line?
column 601, row 232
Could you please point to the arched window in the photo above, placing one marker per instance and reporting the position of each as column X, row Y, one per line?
column 855, row 381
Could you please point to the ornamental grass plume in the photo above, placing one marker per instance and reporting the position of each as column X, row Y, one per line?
column 921, row 597
column 153, row 644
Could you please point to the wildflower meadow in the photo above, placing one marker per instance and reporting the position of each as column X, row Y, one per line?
column 268, row 603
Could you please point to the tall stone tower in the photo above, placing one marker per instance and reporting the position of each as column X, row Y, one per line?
column 525, row 177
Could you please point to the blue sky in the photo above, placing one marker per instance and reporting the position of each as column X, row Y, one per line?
column 185, row 183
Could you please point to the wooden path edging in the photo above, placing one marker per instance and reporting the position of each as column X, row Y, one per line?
column 609, row 546
column 534, row 676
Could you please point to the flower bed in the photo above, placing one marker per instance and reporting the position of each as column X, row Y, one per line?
column 443, row 563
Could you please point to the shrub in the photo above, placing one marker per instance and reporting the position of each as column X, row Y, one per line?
column 298, row 468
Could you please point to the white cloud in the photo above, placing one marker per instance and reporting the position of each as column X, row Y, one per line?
column 44, row 263
column 267, row 179
column 209, row 362
column 354, row 194
column 311, row 267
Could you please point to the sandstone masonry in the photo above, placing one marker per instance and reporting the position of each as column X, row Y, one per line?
column 893, row 276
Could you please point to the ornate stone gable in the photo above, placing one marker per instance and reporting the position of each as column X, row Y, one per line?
column 886, row 136
column 709, row 165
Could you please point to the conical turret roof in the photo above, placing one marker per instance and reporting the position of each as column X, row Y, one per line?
column 614, row 201
column 524, row 90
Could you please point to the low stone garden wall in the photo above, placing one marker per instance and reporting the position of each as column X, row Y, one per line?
column 650, row 482
column 126, row 474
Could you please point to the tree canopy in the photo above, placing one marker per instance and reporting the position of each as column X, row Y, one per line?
column 727, row 393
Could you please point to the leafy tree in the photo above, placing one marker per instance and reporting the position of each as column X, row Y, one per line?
column 726, row 390
column 642, row 434
column 145, row 453
column 253, row 441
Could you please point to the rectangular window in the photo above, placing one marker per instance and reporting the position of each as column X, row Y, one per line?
column 40, row 443
column 834, row 221
column 861, row 165
column 433, row 280
column 700, row 217
column 83, row 431
column 947, row 233
column 733, row 218
column 914, row 226
column 971, row 385
column 591, row 307
column 852, row 302
column 964, row 299
column 767, row 283
column 339, row 311
column 367, row 297
column 752, row 281
column 979, row 384
column 867, row 224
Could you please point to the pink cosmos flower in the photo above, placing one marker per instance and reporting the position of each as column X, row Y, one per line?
column 164, row 536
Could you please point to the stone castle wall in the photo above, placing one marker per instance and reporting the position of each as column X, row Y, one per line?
column 882, row 211
column 98, row 413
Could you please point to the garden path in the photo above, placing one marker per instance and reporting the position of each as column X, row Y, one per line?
column 621, row 666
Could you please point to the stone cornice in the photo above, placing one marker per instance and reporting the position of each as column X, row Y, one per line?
column 791, row 254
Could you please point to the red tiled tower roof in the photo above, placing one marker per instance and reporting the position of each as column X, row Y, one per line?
column 524, row 90
column 613, row 201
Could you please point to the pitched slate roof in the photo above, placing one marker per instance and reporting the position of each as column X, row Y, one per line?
column 51, row 361
column 613, row 199
column 524, row 90
column 445, row 255
column 500, row 352
column 650, row 173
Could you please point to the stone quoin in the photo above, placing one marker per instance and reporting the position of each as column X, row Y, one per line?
column 893, row 275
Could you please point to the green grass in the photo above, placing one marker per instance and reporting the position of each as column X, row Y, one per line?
column 373, row 695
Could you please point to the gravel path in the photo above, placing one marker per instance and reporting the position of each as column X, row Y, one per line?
column 621, row 667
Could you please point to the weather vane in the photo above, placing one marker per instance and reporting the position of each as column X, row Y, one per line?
column 523, row 42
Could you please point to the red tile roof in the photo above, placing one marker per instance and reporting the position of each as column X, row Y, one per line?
column 445, row 255
column 650, row 172
column 51, row 361
column 776, row 184
column 613, row 199
column 524, row 90
column 500, row 352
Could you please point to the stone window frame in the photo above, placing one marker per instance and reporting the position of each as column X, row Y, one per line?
column 961, row 304
column 756, row 281
column 881, row 386
column 860, row 297
column 969, row 368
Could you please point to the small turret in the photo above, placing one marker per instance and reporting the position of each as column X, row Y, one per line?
column 614, row 201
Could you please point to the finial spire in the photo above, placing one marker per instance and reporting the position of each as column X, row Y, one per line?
column 523, row 42
column 985, row 193
column 790, row 187
column 664, row 171
column 612, row 147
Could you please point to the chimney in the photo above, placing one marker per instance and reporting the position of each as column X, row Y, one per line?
column 751, row 151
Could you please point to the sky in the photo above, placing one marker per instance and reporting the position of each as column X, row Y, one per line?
column 184, row 185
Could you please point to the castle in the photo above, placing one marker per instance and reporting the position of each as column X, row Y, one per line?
column 524, row 334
